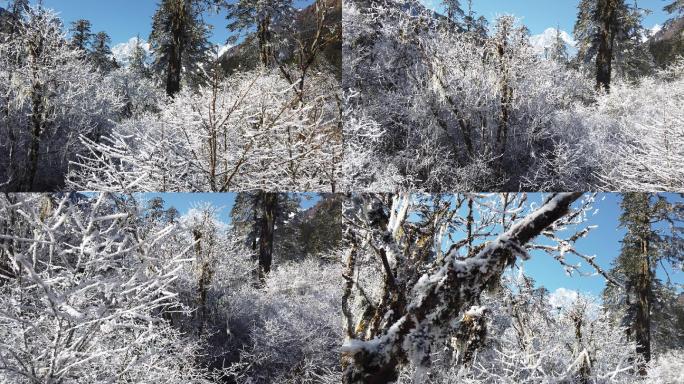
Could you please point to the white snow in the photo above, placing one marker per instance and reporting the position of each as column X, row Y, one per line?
column 123, row 52
column 563, row 297
column 545, row 40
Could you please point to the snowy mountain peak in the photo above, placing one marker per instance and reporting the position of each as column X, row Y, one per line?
column 123, row 52
column 544, row 41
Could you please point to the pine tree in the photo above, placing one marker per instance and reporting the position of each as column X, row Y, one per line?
column 259, row 218
column 476, row 26
column 101, row 53
column 454, row 13
column 559, row 51
column 139, row 59
column 604, row 29
column 676, row 7
column 646, row 245
column 266, row 16
column 18, row 8
column 179, row 40
column 632, row 56
column 81, row 34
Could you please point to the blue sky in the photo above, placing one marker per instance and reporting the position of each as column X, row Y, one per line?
column 604, row 242
column 539, row 15
column 123, row 19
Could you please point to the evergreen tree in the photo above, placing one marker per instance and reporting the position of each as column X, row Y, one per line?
column 101, row 53
column 476, row 26
column 605, row 31
column 139, row 58
column 267, row 16
column 179, row 40
column 454, row 13
column 646, row 245
column 558, row 51
column 675, row 8
column 18, row 7
column 632, row 56
column 260, row 218
column 81, row 34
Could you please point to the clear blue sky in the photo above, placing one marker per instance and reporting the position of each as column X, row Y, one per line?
column 123, row 19
column 541, row 14
column 604, row 242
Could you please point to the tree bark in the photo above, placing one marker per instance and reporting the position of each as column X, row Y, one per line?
column 269, row 205
column 604, row 56
column 642, row 325
column 173, row 72
column 443, row 298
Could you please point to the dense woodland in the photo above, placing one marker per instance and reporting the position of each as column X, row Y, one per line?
column 183, row 119
column 113, row 288
column 382, row 284
column 455, row 102
column 455, row 305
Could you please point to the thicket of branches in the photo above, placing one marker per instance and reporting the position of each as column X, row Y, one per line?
column 433, row 106
column 454, row 304
column 108, row 288
column 72, row 117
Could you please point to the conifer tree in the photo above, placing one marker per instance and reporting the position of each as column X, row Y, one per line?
column 81, row 34
column 604, row 29
column 646, row 246
column 475, row 26
column 559, row 51
column 266, row 16
column 139, row 58
column 676, row 7
column 101, row 53
column 259, row 217
column 454, row 13
column 179, row 40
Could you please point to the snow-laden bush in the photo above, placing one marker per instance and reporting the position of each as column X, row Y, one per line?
column 50, row 96
column 138, row 93
column 667, row 368
column 83, row 292
column 456, row 111
column 249, row 131
column 642, row 145
column 293, row 325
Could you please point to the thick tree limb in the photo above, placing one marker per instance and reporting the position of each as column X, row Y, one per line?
column 440, row 295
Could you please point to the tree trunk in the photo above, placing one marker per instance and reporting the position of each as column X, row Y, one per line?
column 642, row 323
column 264, row 35
column 441, row 301
column 173, row 72
column 269, row 205
column 604, row 56
column 36, row 129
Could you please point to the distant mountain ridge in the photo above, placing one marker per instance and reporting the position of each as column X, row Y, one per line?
column 123, row 52
column 668, row 43
column 545, row 41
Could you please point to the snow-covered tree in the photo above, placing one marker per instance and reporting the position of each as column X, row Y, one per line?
column 457, row 113
column 644, row 248
column 50, row 97
column 269, row 18
column 436, row 255
column 81, row 34
column 83, row 294
column 249, row 132
column 101, row 53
